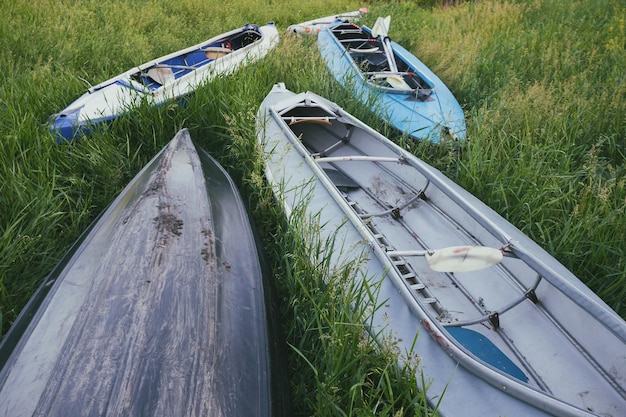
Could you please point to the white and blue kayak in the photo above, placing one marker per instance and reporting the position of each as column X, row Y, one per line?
column 390, row 80
column 500, row 327
column 166, row 78
column 315, row 26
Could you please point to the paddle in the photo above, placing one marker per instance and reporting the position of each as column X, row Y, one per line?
column 162, row 75
column 457, row 258
column 381, row 29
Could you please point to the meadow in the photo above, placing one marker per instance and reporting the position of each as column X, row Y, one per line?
column 542, row 83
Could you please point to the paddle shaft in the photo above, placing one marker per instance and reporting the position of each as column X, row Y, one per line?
column 393, row 67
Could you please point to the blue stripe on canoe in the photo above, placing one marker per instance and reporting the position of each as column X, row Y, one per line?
column 485, row 350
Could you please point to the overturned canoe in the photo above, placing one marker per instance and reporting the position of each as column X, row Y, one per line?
column 159, row 310
column 169, row 77
column 315, row 26
column 499, row 325
column 396, row 85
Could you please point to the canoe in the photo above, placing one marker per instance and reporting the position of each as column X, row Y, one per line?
column 499, row 325
column 159, row 309
column 315, row 26
column 166, row 78
column 391, row 81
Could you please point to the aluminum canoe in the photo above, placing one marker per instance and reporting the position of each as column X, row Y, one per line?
column 160, row 309
column 524, row 337
column 166, row 78
column 406, row 94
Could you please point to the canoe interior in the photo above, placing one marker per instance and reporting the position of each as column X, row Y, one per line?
column 369, row 55
column 403, row 91
column 507, row 318
column 162, row 308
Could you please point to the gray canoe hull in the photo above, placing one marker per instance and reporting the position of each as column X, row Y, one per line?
column 524, row 337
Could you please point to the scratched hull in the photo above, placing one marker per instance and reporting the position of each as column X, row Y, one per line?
column 522, row 338
column 159, row 310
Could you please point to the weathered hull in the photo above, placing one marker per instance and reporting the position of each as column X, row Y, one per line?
column 163, row 79
column 524, row 337
column 160, row 310
column 427, row 111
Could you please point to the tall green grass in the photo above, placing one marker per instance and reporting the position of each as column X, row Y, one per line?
column 545, row 94
column 542, row 84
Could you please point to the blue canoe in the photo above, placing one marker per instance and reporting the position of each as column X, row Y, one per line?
column 160, row 309
column 402, row 91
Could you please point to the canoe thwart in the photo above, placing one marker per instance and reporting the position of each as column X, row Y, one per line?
column 394, row 211
column 321, row 120
column 373, row 50
column 529, row 294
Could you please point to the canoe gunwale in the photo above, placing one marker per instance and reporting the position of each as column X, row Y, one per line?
column 541, row 399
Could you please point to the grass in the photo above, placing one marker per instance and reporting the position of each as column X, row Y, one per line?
column 542, row 84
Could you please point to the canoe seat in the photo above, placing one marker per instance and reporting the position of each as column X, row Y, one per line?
column 529, row 294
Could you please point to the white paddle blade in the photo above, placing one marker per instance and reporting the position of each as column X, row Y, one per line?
column 381, row 27
column 377, row 27
column 394, row 80
column 387, row 24
column 398, row 82
column 463, row 258
column 161, row 75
